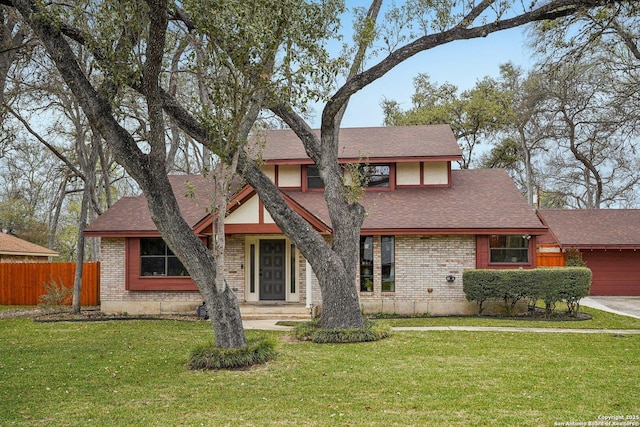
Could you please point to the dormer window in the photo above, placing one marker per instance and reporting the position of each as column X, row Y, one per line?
column 377, row 176
column 313, row 177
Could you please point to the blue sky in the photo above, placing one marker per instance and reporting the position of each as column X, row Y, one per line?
column 461, row 63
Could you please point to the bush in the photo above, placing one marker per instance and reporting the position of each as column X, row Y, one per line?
column 310, row 331
column 257, row 351
column 57, row 294
column 551, row 285
column 480, row 285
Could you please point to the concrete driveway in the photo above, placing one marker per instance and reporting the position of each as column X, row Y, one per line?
column 626, row 306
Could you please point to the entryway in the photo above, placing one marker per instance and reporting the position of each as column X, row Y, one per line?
column 272, row 270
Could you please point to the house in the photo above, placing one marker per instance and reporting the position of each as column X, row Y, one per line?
column 13, row 249
column 425, row 224
column 608, row 241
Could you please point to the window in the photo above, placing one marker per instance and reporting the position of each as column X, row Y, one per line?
column 388, row 264
column 156, row 259
column 512, row 249
column 376, row 175
column 366, row 263
column 292, row 266
column 313, row 177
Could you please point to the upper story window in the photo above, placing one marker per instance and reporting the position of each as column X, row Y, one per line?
column 511, row 249
column 313, row 177
column 376, row 176
column 156, row 259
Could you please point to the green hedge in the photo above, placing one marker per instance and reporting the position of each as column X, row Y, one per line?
column 551, row 285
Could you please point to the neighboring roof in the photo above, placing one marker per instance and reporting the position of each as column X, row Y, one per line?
column 593, row 228
column 130, row 216
column 400, row 143
column 11, row 245
column 483, row 201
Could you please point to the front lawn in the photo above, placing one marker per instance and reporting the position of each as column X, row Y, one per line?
column 599, row 320
column 133, row 373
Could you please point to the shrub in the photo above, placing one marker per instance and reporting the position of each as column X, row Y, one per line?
column 208, row 356
column 480, row 285
column 574, row 259
column 551, row 285
column 57, row 294
column 577, row 284
column 311, row 331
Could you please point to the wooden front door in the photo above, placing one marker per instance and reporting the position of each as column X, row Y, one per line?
column 272, row 270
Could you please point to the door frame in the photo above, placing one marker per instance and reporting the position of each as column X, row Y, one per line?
column 252, row 263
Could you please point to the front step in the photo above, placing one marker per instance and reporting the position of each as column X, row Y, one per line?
column 263, row 310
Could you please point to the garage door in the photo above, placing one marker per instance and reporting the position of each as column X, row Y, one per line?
column 614, row 272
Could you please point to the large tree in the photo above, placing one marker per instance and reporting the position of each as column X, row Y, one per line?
column 241, row 44
column 249, row 40
column 594, row 163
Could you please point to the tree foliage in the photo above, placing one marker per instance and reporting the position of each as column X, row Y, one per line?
column 261, row 56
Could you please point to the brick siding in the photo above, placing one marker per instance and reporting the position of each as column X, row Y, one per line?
column 422, row 264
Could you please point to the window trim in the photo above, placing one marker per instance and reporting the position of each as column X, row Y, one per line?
column 167, row 256
column 526, row 248
column 134, row 281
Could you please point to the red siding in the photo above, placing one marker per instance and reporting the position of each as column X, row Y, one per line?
column 482, row 255
column 136, row 282
column 614, row 272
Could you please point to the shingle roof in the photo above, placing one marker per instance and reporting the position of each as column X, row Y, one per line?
column 594, row 227
column 410, row 142
column 479, row 201
column 130, row 215
column 11, row 245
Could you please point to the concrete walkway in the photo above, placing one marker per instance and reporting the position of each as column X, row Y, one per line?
column 624, row 306
column 270, row 325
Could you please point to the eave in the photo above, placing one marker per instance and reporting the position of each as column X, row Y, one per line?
column 30, row 254
column 308, row 161
column 443, row 231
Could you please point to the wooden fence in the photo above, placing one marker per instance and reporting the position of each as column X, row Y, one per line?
column 550, row 259
column 23, row 283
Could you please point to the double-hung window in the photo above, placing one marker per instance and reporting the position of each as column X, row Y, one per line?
column 313, row 177
column 509, row 249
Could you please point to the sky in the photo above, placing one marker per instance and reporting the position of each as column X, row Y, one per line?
column 461, row 63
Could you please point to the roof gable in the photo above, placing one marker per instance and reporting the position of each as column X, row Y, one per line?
column 395, row 142
column 593, row 228
column 12, row 245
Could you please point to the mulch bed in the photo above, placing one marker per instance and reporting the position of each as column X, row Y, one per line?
column 88, row 314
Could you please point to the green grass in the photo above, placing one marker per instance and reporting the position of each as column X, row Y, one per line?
column 599, row 320
column 15, row 307
column 134, row 373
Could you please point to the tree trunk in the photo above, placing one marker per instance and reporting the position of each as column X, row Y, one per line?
column 226, row 320
column 82, row 223
column 147, row 169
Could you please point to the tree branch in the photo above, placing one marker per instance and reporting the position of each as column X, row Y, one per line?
column 51, row 148
column 549, row 11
